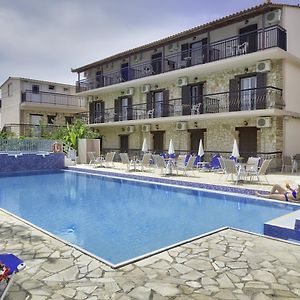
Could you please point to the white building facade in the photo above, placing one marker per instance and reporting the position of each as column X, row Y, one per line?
column 28, row 104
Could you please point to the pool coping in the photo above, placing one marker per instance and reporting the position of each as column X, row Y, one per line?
column 150, row 179
column 166, row 182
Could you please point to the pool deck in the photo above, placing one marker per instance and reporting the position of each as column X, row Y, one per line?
column 229, row 264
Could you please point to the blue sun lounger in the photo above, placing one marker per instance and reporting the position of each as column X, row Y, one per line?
column 9, row 266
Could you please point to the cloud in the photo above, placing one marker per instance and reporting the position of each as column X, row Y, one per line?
column 44, row 39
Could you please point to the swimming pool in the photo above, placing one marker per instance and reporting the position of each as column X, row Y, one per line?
column 118, row 220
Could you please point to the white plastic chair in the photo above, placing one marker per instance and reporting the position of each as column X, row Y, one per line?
column 262, row 171
column 129, row 163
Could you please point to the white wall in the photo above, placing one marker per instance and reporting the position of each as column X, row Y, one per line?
column 11, row 103
column 291, row 91
column 291, row 136
column 291, row 22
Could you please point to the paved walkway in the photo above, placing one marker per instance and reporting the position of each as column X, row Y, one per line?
column 226, row 265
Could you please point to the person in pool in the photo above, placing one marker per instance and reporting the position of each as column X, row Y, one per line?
column 285, row 194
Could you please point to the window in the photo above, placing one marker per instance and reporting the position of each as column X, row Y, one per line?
column 69, row 120
column 9, row 89
column 66, row 89
column 51, row 87
column 50, row 119
column 35, row 89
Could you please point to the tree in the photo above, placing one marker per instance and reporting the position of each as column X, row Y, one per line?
column 72, row 133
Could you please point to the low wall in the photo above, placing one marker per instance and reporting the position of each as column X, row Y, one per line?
column 31, row 161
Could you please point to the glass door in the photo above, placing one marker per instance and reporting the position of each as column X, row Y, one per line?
column 124, row 106
column 35, row 121
column 196, row 53
column 158, row 101
column 248, row 93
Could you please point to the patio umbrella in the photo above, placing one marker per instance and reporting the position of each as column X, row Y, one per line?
column 171, row 148
column 145, row 146
column 235, row 150
column 200, row 150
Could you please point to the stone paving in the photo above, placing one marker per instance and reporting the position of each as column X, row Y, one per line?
column 226, row 265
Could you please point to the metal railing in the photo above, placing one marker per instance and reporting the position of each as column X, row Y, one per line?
column 241, row 100
column 17, row 145
column 274, row 36
column 30, row 130
column 53, row 98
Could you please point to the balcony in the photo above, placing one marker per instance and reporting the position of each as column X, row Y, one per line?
column 242, row 100
column 53, row 99
column 257, row 40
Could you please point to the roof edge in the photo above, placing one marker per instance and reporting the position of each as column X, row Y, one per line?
column 218, row 22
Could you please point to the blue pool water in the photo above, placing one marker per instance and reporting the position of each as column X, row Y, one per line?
column 118, row 220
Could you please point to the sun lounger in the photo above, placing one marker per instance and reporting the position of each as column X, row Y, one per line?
column 9, row 266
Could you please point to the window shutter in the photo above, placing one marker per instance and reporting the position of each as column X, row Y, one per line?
column 149, row 104
column 92, row 112
column 165, row 103
column 186, row 100
column 200, row 98
column 129, row 108
column 185, row 51
column 234, row 99
column 102, row 105
column 261, row 83
column 117, row 109
column 204, row 49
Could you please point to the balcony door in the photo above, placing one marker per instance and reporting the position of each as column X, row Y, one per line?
column 158, row 141
column 192, row 97
column 248, row 35
column 248, row 93
column 196, row 53
column 123, row 108
column 35, row 120
column 124, row 72
column 158, row 101
column 96, row 112
column 156, row 63
column 35, row 95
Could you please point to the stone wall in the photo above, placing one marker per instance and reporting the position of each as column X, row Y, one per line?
column 59, row 117
column 219, row 135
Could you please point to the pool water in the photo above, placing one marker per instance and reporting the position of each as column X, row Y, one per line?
column 118, row 219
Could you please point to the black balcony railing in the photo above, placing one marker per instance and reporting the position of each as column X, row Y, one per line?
column 53, row 98
column 242, row 100
column 30, row 130
column 254, row 41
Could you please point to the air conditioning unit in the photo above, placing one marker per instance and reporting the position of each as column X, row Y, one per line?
column 181, row 126
column 130, row 129
column 182, row 81
column 263, row 66
column 146, row 88
column 173, row 47
column 273, row 17
column 146, row 128
column 263, row 122
column 129, row 91
column 138, row 57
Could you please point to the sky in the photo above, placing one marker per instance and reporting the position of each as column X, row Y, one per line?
column 44, row 39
